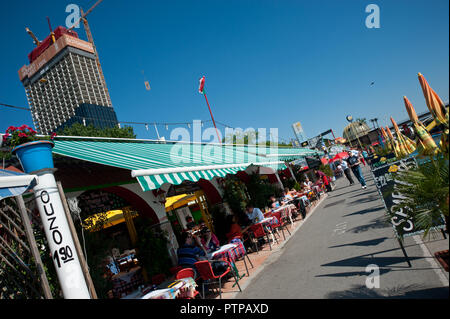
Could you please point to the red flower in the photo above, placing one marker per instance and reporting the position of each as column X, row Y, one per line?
column 22, row 134
column 24, row 127
column 11, row 128
column 53, row 135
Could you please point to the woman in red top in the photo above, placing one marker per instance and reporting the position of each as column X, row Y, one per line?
column 235, row 231
column 321, row 175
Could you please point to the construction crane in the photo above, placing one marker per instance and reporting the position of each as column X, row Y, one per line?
column 91, row 40
column 36, row 41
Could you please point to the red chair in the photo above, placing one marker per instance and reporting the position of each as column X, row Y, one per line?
column 280, row 224
column 158, row 279
column 186, row 273
column 285, row 219
column 257, row 231
column 207, row 274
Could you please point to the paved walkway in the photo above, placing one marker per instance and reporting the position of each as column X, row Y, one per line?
column 327, row 256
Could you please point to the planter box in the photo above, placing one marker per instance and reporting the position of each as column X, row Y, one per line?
column 443, row 258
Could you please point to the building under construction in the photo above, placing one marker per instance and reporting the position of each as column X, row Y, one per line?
column 64, row 83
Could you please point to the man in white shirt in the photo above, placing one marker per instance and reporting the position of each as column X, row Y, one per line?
column 346, row 170
column 254, row 214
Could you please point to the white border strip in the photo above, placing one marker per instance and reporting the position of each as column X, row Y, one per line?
column 171, row 170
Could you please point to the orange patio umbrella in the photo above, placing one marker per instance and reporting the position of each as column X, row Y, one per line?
column 434, row 102
column 426, row 144
column 437, row 109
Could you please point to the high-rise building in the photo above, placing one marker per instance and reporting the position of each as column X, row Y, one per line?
column 63, row 84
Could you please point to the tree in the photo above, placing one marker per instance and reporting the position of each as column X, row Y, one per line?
column 78, row 129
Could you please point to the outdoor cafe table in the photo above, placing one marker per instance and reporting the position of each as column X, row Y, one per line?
column 126, row 281
column 285, row 210
column 231, row 252
column 180, row 288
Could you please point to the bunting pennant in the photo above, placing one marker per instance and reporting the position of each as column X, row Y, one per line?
column 201, row 87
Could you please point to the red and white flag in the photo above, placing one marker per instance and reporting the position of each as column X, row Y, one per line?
column 201, row 85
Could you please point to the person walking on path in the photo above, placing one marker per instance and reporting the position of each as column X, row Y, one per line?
column 347, row 172
column 353, row 161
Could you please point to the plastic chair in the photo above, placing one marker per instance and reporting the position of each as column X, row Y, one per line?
column 185, row 273
column 257, row 231
column 280, row 224
column 208, row 276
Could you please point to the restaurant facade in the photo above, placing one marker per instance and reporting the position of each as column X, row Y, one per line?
column 168, row 182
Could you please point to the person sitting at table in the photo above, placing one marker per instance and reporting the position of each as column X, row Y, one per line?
column 192, row 251
column 274, row 203
column 286, row 195
column 254, row 214
column 209, row 240
column 307, row 184
column 235, row 231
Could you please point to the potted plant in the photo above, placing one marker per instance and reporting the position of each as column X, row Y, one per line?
column 34, row 153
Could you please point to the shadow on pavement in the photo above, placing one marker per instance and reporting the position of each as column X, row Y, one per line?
column 335, row 203
column 364, row 193
column 363, row 261
column 377, row 223
column 368, row 199
column 365, row 211
column 400, row 292
column 352, row 273
column 372, row 242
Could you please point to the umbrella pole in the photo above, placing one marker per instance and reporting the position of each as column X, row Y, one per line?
column 212, row 117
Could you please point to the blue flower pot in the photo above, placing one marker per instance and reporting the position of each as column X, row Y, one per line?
column 35, row 155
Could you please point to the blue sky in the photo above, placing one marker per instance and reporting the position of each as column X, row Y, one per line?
column 267, row 63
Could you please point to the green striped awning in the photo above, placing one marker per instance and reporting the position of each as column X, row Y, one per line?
column 154, row 164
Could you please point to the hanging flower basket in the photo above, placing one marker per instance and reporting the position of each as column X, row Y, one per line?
column 34, row 153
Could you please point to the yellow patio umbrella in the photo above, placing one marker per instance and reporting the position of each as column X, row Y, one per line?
column 394, row 143
column 406, row 144
column 425, row 144
column 107, row 219
column 401, row 144
column 177, row 201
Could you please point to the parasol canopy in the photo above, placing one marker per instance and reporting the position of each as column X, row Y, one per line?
column 338, row 156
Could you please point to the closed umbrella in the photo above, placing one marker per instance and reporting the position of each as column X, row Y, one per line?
column 386, row 138
column 395, row 146
column 405, row 143
column 434, row 103
column 425, row 143
column 437, row 109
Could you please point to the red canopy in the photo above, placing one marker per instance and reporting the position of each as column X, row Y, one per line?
column 340, row 155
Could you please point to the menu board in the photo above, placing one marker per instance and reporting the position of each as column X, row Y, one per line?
column 384, row 176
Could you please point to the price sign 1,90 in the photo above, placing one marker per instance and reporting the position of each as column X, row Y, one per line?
column 63, row 254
